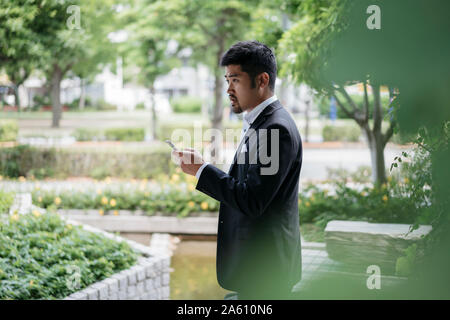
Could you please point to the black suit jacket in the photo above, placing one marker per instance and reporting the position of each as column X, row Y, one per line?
column 258, row 240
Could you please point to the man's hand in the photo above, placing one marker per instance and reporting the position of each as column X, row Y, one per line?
column 190, row 160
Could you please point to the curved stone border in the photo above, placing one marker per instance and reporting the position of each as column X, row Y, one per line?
column 146, row 224
column 148, row 280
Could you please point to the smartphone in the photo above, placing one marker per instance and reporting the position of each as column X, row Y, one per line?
column 171, row 145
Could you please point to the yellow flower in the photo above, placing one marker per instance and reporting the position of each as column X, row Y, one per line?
column 175, row 177
column 204, row 205
column 116, row 213
column 191, row 204
column 191, row 187
column 385, row 198
column 99, row 191
column 104, row 200
column 36, row 213
column 308, row 204
column 57, row 201
column 101, row 212
column 69, row 226
column 22, row 179
column 15, row 217
column 1, row 178
column 406, row 180
column 40, row 199
column 112, row 202
column 31, row 282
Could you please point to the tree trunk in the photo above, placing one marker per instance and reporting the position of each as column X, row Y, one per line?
column 82, row 102
column 375, row 138
column 17, row 98
column 218, row 106
column 153, row 118
column 376, row 157
column 308, row 103
column 55, row 95
column 378, row 161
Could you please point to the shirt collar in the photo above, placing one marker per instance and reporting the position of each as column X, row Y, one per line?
column 251, row 116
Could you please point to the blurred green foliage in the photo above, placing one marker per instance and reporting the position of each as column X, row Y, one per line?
column 98, row 162
column 350, row 133
column 186, row 104
column 6, row 200
column 8, row 130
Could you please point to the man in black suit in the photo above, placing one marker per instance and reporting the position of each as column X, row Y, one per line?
column 258, row 239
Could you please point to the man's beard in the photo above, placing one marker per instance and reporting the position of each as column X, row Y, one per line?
column 236, row 107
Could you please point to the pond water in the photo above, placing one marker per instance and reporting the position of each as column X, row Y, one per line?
column 194, row 272
column 193, row 266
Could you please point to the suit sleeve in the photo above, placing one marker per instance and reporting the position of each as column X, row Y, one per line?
column 253, row 194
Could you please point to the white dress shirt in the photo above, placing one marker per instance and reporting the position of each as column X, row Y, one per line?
column 248, row 119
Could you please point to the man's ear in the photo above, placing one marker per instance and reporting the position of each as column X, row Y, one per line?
column 263, row 79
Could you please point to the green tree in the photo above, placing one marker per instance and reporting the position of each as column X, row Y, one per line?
column 410, row 52
column 306, row 46
column 208, row 27
column 100, row 19
column 19, row 52
column 147, row 53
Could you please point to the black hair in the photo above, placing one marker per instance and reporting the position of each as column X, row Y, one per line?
column 254, row 58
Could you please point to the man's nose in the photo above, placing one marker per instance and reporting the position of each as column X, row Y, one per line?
column 230, row 88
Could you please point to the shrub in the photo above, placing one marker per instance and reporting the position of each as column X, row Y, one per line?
column 343, row 133
column 174, row 194
column 186, row 104
column 125, row 134
column 8, row 130
column 83, row 134
column 6, row 200
column 40, row 252
column 389, row 203
column 20, row 160
column 102, row 105
column 165, row 130
column 26, row 161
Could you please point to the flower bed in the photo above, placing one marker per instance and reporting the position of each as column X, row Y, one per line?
column 165, row 197
column 40, row 252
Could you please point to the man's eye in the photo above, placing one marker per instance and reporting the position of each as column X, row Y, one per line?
column 235, row 80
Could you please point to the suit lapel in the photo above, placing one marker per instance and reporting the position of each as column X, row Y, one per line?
column 255, row 125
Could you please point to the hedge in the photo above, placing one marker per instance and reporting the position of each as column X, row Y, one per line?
column 30, row 161
column 341, row 133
